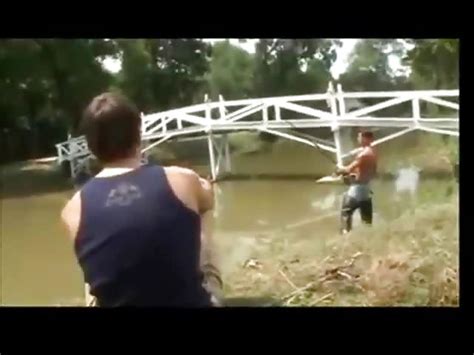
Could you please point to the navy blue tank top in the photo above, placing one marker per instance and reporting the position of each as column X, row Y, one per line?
column 138, row 244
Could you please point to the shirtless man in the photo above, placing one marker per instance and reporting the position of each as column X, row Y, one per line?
column 359, row 195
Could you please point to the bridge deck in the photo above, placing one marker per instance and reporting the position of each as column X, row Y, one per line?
column 197, row 120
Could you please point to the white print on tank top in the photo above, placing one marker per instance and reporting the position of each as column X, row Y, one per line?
column 123, row 195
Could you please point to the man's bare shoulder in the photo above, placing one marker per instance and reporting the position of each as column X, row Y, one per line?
column 182, row 174
column 185, row 183
column 367, row 152
column 178, row 170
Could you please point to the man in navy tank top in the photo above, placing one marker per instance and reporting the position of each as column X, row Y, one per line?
column 138, row 229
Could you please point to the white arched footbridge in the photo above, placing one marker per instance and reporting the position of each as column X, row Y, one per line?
column 240, row 115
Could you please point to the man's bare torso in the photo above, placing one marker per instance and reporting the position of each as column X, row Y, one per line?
column 367, row 168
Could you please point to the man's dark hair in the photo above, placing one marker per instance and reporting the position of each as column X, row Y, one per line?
column 111, row 124
column 367, row 134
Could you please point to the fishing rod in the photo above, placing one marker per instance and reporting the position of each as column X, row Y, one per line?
column 346, row 177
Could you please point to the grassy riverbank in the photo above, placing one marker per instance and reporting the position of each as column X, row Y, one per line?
column 410, row 261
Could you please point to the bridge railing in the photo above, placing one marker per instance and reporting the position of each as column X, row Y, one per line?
column 196, row 114
column 240, row 115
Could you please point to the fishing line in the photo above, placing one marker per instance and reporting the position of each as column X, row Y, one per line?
column 314, row 141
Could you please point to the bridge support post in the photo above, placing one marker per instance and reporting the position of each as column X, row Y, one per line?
column 73, row 160
column 343, row 140
column 72, row 167
column 332, row 102
column 87, row 166
column 221, row 147
column 212, row 158
column 342, row 135
column 224, row 149
column 228, row 166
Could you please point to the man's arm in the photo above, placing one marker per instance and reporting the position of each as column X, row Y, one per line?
column 193, row 190
column 205, row 195
column 70, row 218
column 71, row 215
column 343, row 170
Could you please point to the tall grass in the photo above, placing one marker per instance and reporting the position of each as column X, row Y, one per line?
column 410, row 261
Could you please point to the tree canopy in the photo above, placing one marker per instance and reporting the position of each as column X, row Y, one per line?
column 46, row 83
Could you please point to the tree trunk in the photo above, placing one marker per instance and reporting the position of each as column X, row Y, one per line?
column 58, row 78
column 32, row 110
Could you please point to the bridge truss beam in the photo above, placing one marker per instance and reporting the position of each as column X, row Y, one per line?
column 265, row 115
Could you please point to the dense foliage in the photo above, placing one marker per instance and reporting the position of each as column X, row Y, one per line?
column 45, row 83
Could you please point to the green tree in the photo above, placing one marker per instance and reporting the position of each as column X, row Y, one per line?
column 279, row 63
column 369, row 70
column 160, row 74
column 183, row 66
column 44, row 87
column 136, row 75
column 231, row 72
column 434, row 63
column 24, row 84
column 77, row 74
